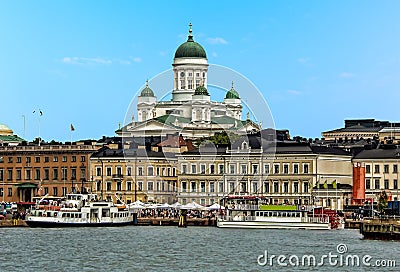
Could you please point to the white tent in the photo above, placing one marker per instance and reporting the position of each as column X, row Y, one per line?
column 192, row 206
column 176, row 205
column 164, row 206
column 215, row 206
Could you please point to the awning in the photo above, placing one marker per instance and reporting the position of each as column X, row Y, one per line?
column 25, row 185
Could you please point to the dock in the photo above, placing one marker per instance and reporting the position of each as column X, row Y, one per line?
column 380, row 229
column 159, row 221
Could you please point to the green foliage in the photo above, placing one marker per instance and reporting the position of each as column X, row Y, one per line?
column 219, row 138
column 382, row 201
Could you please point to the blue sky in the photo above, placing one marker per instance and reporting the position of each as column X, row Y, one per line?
column 81, row 62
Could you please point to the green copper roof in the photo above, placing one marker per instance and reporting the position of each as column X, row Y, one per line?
column 201, row 90
column 190, row 49
column 232, row 94
column 147, row 91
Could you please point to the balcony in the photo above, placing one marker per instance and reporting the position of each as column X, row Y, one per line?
column 117, row 176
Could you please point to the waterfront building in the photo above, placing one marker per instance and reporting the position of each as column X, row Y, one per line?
column 7, row 136
column 376, row 170
column 355, row 129
column 284, row 172
column 139, row 172
column 191, row 112
column 31, row 170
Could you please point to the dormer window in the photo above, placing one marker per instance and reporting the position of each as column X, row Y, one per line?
column 244, row 145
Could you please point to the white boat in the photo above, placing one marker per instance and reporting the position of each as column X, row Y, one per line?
column 252, row 212
column 80, row 210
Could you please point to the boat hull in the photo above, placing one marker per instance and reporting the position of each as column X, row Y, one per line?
column 272, row 225
column 49, row 224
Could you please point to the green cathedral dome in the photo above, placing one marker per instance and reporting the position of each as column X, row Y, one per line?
column 232, row 93
column 147, row 91
column 201, row 90
column 190, row 49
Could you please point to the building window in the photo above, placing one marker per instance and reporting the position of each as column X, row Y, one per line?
column 395, row 170
column 150, row 186
column 64, row 158
column 150, row 171
column 306, row 186
column 64, row 173
column 305, row 168
column 129, row 171
column 37, row 174
column 1, row 174
column 295, row 187
column 266, row 168
column 173, row 171
column 395, row 185
column 255, row 187
column 9, row 192
column 108, row 185
column 28, row 174
column 46, row 159
column 231, row 187
column 255, row 169
column 221, row 187
column 55, row 159
column 19, row 159
column 73, row 173
column 367, row 184
column 119, row 186
column 276, row 187
column 55, row 173
column 295, row 168
column 212, row 168
column 376, row 168
column 193, row 186
column 28, row 159
column 286, row 187
column 9, row 174
column 1, row 192
column 386, row 183
column 203, row 168
column 129, row 186
column 203, row 187
column 73, row 158
column 46, row 174
column 286, row 169
column 377, row 185
column 232, row 169
column 108, row 171
column 212, row 187
column 37, row 159
column 190, row 84
column 194, row 168
column 140, row 171
column 55, row 191
column 19, row 174
column 368, row 168
column 221, row 169
column 266, row 187
column 184, row 169
column 276, row 168
column 386, row 168
column 184, row 186
column 83, row 158
column 243, row 169
column 46, row 190
column 140, row 186
column 98, row 171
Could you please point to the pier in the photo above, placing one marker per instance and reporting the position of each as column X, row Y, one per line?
column 205, row 222
column 381, row 229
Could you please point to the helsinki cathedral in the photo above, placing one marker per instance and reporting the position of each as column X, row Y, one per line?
column 190, row 112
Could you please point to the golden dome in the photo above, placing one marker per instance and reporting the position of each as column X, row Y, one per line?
column 5, row 130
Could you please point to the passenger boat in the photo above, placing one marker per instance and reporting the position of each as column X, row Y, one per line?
column 254, row 212
column 80, row 210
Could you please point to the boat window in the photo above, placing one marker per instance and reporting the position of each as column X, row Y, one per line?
column 275, row 214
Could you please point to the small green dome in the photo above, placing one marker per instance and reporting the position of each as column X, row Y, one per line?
column 232, row 94
column 147, row 91
column 190, row 49
column 201, row 90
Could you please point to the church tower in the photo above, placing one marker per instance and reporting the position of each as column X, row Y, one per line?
column 233, row 104
column 146, row 104
column 190, row 69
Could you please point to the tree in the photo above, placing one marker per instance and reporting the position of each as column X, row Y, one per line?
column 382, row 201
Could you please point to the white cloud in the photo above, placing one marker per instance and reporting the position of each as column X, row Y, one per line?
column 214, row 54
column 136, row 59
column 85, row 61
column 293, row 92
column 346, row 75
column 217, row 40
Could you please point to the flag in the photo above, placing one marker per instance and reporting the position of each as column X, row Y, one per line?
column 326, row 184
column 72, row 128
column 334, row 185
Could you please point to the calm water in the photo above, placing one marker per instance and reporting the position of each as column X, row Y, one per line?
column 141, row 248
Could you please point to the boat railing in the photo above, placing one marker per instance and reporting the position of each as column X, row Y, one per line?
column 318, row 219
column 243, row 207
column 239, row 218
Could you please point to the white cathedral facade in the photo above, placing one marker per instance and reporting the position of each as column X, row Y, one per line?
column 190, row 112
